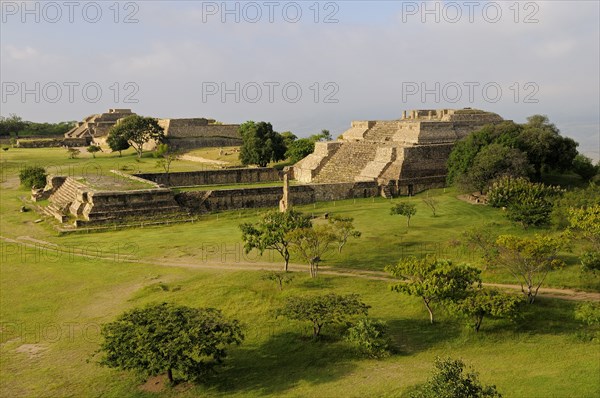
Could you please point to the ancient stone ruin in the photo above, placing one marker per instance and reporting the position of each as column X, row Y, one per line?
column 387, row 158
column 403, row 156
column 180, row 133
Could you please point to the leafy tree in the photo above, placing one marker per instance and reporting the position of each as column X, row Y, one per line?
column 370, row 337
column 288, row 138
column 93, row 149
column 311, row 244
column 432, row 203
column 404, row 209
column 73, row 153
column 299, row 149
column 271, row 233
column 449, row 380
column 261, row 144
column 323, row 310
column 491, row 162
column 167, row 337
column 434, row 280
column 489, row 303
column 527, row 203
column 33, row 177
column 138, row 130
column 545, row 147
column 281, row 278
column 11, row 125
column 117, row 143
column 529, row 260
column 583, row 166
column 464, row 152
column 344, row 229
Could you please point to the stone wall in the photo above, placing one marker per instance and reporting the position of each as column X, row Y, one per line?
column 52, row 142
column 231, row 199
column 214, row 177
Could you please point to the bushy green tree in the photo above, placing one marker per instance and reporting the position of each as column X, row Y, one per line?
column 527, row 203
column 465, row 151
column 545, row 147
column 323, row 310
column 404, row 209
column 491, row 162
column 370, row 337
column 261, row 144
column 434, row 280
column 271, row 232
column 12, row 125
column 449, row 380
column 576, row 198
column 489, row 303
column 33, row 176
column 300, row 149
column 93, row 149
column 117, row 143
column 169, row 338
column 137, row 130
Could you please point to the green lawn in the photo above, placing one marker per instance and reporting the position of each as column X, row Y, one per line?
column 57, row 307
column 53, row 303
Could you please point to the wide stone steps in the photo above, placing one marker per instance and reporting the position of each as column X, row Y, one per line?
column 66, row 193
column 347, row 163
column 382, row 132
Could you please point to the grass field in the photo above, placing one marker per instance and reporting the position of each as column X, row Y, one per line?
column 52, row 303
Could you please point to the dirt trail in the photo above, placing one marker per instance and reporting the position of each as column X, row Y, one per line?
column 564, row 294
column 200, row 159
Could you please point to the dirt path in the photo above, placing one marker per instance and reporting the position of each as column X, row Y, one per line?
column 200, row 159
column 564, row 294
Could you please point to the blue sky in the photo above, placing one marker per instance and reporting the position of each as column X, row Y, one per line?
column 371, row 61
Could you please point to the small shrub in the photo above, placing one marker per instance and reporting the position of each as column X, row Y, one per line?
column 450, row 380
column 33, row 176
column 370, row 337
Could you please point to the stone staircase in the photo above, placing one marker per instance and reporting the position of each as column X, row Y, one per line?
column 64, row 197
column 382, row 131
column 385, row 192
column 153, row 204
column 346, row 164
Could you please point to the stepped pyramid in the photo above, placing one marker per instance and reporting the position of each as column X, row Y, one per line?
column 405, row 156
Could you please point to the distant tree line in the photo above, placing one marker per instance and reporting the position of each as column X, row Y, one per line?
column 15, row 126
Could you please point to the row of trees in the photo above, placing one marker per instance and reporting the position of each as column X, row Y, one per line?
column 15, row 126
column 293, row 231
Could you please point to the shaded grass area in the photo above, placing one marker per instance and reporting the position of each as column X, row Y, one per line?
column 277, row 358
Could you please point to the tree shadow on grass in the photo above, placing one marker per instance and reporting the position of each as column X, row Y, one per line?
column 548, row 316
column 410, row 336
column 281, row 363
